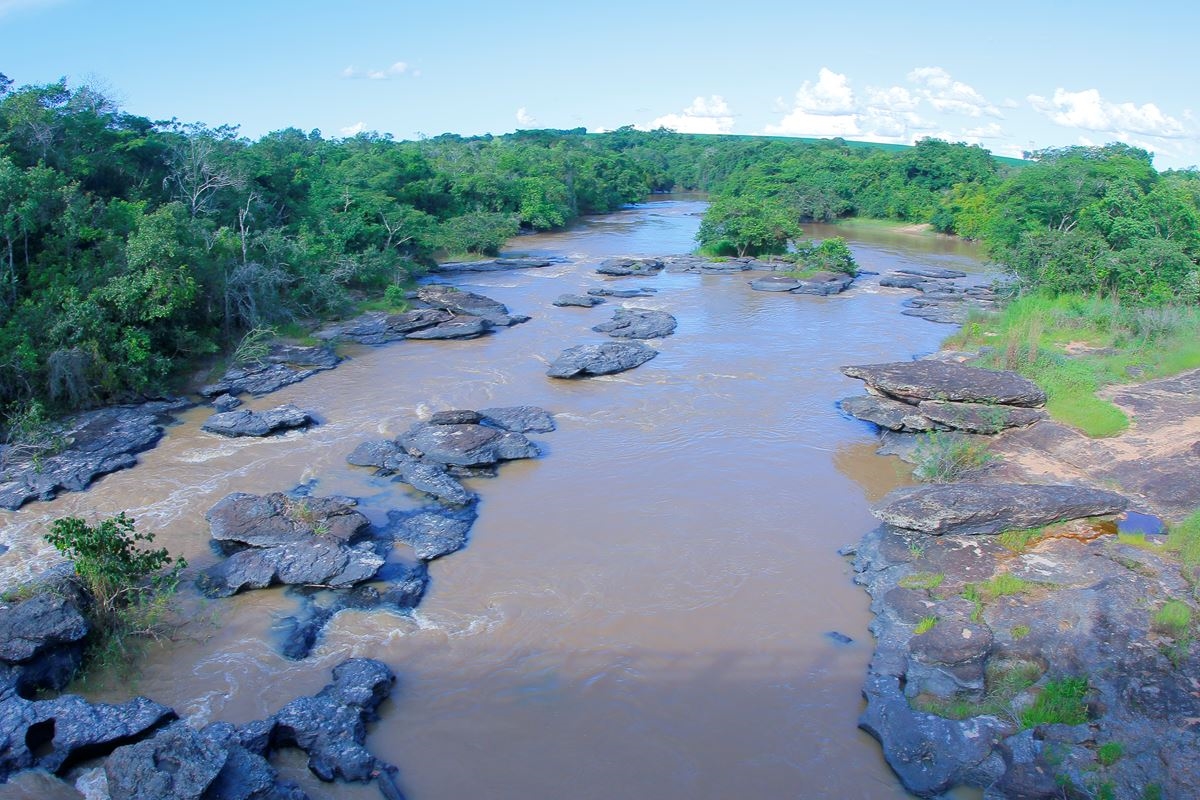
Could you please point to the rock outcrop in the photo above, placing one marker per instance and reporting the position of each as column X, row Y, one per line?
column 94, row 443
column 914, row 381
column 244, row 422
column 500, row 264
column 577, row 300
column 622, row 267
column 600, row 359
column 42, row 637
column 283, row 365
column 638, row 323
column 983, row 508
column 468, row 304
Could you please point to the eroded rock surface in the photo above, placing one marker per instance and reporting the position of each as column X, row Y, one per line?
column 600, row 359
column 468, row 304
column 914, row 381
column 638, row 323
column 244, row 422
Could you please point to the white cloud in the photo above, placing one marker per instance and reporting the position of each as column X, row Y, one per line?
column 940, row 90
column 397, row 68
column 353, row 130
column 831, row 94
column 1091, row 112
column 990, row 131
column 524, row 119
column 705, row 115
column 894, row 98
column 820, row 126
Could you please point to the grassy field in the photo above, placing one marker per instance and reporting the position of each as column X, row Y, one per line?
column 1072, row 346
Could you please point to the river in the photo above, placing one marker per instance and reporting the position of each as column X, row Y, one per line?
column 642, row 612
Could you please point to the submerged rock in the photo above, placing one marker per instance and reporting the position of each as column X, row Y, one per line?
column 981, row 508
column 435, row 531
column 642, row 291
column 600, row 359
column 519, row 419
column 579, row 300
column 244, row 422
column 774, row 283
column 499, row 264
column 638, row 323
column 913, row 381
column 824, row 283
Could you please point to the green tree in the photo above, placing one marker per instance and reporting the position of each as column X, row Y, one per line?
column 747, row 226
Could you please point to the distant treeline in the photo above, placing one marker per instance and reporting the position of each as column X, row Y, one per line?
column 131, row 248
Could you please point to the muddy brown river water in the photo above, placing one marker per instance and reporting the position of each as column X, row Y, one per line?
column 642, row 612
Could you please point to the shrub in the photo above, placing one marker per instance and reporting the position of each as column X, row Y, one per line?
column 254, row 346
column 130, row 587
column 1109, row 753
column 30, row 434
column 946, row 457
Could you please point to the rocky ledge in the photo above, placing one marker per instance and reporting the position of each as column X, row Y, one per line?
column 244, row 422
column 976, row 632
column 441, row 312
column 283, row 365
column 942, row 297
column 94, row 443
column 500, row 264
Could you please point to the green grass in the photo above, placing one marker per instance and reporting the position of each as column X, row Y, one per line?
column 1003, row 682
column 1109, row 753
column 1019, row 631
column 1060, row 702
column 922, row 580
column 925, row 625
column 1174, row 619
column 1184, row 539
column 1114, row 344
column 1001, row 585
column 1021, row 539
column 946, row 457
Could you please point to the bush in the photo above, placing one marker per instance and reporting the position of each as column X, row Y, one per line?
column 129, row 587
column 30, row 434
column 1174, row 619
column 947, row 457
column 1059, row 703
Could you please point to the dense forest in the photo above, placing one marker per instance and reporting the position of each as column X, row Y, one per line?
column 130, row 248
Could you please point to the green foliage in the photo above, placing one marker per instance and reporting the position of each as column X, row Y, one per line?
column 1072, row 346
column 831, row 255
column 1060, row 702
column 395, row 297
column 1174, row 619
column 925, row 625
column 946, row 457
column 1020, row 540
column 1019, row 631
column 253, row 347
column 29, row 434
column 117, row 573
column 1004, row 680
column 1109, row 753
column 922, row 580
column 747, row 227
column 1184, row 539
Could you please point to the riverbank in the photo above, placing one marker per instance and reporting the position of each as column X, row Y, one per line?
column 977, row 628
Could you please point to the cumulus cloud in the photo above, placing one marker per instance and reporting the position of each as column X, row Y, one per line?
column 830, row 95
column 941, row 91
column 1091, row 112
column 353, row 130
column 396, row 69
column 705, row 115
column 524, row 119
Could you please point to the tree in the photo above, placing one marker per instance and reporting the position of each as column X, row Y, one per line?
column 747, row 226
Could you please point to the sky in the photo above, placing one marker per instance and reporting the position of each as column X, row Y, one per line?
column 1011, row 77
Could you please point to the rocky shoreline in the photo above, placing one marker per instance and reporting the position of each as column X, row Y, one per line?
column 994, row 595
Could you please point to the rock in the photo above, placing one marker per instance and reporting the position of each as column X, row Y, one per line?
column 42, row 638
column 317, row 562
column 405, row 586
column 499, row 264
column 948, row 660
column 425, row 476
column 276, row 519
column 97, row 443
column 932, row 272
column 703, row 266
column 643, row 291
column 913, row 381
column 456, row 417
column 467, row 304
column 225, row 402
column 896, row 281
column 436, row 531
column 774, row 283
column 457, row 328
column 54, row 734
column 824, row 283
column 600, row 359
column 379, row 327
column 838, row 637
column 929, row 754
column 177, row 764
column 630, row 266
column 976, row 508
column 888, row 413
column 258, row 379
column 978, row 417
column 331, row 725
column 519, row 419
column 465, row 445
column 579, row 300
column 243, row 422
column 638, row 323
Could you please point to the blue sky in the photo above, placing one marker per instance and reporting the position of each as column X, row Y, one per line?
column 1011, row 77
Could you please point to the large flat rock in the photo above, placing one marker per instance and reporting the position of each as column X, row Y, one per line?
column 468, row 304
column 981, row 508
column 914, row 381
column 600, row 359
column 638, row 323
